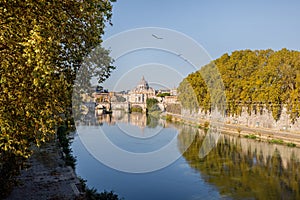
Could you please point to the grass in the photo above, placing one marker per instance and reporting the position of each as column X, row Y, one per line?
column 290, row 144
column 251, row 136
column 276, row 141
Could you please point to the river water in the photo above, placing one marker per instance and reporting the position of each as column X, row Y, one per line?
column 159, row 160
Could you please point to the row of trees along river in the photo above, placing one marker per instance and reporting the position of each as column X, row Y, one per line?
column 42, row 47
column 252, row 79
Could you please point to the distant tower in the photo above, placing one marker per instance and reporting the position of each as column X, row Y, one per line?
column 143, row 85
column 141, row 92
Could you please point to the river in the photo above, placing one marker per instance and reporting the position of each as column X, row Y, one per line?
column 146, row 158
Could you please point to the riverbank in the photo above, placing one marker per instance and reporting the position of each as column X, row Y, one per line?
column 46, row 176
column 258, row 133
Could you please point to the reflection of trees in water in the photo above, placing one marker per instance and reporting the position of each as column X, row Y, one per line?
column 152, row 122
column 186, row 137
column 245, row 171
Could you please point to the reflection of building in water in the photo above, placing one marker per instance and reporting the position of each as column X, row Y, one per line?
column 136, row 119
column 141, row 92
column 107, row 118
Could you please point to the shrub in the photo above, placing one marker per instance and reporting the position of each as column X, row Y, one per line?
column 290, row 144
column 276, row 141
column 251, row 136
column 206, row 124
column 169, row 118
column 136, row 109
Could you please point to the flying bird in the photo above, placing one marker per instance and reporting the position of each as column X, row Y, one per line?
column 155, row 36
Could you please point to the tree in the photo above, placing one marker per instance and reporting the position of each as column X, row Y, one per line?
column 163, row 94
column 42, row 46
column 252, row 80
column 152, row 104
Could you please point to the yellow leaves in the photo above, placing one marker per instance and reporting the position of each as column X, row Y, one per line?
column 5, row 141
column 253, row 77
column 36, row 81
column 27, row 114
column 38, row 44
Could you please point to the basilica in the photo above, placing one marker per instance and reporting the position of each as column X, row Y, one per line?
column 141, row 92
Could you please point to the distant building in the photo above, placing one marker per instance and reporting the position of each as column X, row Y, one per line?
column 173, row 92
column 161, row 91
column 170, row 99
column 141, row 92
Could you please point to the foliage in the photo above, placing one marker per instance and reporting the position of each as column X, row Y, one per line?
column 169, row 118
column 290, row 144
column 136, row 109
column 9, row 167
column 206, row 124
column 276, row 141
column 251, row 136
column 92, row 194
column 42, row 46
column 252, row 79
column 186, row 94
column 64, row 142
column 152, row 104
column 163, row 94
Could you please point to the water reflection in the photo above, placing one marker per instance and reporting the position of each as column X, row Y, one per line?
column 137, row 119
column 212, row 165
column 169, row 175
column 243, row 168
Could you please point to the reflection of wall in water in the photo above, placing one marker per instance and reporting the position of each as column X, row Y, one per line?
column 245, row 169
column 263, row 149
column 266, row 150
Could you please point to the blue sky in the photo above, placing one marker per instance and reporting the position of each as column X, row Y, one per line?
column 218, row 26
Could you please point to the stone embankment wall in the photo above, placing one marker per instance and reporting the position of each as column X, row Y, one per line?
column 266, row 120
column 255, row 120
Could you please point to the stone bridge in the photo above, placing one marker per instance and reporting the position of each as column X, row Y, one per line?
column 140, row 105
column 126, row 106
column 120, row 106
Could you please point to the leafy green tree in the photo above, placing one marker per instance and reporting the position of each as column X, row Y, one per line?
column 252, row 80
column 163, row 94
column 151, row 104
column 42, row 46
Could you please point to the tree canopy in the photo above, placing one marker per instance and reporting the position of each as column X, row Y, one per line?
column 42, row 46
column 251, row 79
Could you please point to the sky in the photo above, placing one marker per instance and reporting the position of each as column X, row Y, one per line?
column 216, row 26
